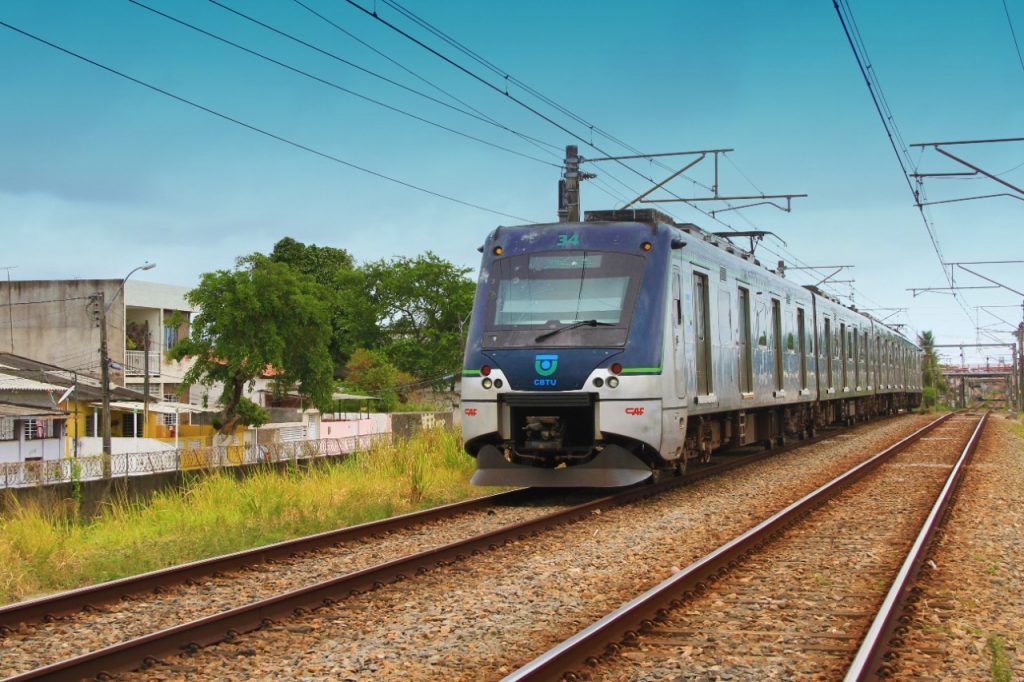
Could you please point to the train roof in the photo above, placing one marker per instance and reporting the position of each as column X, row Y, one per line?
column 654, row 216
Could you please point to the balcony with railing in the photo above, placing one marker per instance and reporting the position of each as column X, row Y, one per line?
column 135, row 363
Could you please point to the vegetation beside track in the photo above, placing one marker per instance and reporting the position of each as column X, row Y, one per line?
column 49, row 549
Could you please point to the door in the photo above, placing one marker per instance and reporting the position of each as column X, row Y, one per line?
column 678, row 347
column 777, row 342
column 702, row 335
column 801, row 330
column 746, row 368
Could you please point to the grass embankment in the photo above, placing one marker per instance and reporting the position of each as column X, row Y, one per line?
column 45, row 550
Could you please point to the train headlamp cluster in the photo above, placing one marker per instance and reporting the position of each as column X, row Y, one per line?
column 487, row 382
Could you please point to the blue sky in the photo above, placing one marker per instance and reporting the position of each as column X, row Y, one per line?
column 100, row 174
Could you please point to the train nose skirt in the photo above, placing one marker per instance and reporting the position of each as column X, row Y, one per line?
column 613, row 467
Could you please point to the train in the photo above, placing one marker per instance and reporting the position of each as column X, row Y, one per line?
column 616, row 349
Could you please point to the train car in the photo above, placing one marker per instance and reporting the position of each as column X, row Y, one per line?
column 609, row 351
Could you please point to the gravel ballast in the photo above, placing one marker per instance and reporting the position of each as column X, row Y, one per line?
column 972, row 600
column 483, row 617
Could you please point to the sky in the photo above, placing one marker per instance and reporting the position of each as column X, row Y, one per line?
column 100, row 174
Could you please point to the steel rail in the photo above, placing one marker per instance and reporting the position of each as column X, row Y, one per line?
column 222, row 626
column 625, row 622
column 869, row 662
column 71, row 601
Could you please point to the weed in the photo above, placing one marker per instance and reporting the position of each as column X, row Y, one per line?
column 51, row 548
column 1000, row 661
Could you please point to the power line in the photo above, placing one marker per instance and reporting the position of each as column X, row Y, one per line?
column 339, row 87
column 261, row 131
column 479, row 115
column 1013, row 33
column 899, row 147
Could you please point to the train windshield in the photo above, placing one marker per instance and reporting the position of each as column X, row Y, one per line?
column 548, row 290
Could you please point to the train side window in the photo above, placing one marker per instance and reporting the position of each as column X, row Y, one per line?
column 777, row 342
column 746, row 365
column 702, row 336
column 801, row 323
column 677, row 299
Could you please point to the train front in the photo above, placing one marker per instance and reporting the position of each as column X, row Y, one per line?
column 561, row 380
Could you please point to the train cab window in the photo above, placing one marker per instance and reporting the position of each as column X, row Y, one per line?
column 546, row 291
column 702, row 335
column 828, row 354
column 746, row 365
column 801, row 324
column 777, row 342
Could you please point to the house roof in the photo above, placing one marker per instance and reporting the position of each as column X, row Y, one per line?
column 88, row 388
column 14, row 410
column 17, row 383
column 158, row 407
column 352, row 396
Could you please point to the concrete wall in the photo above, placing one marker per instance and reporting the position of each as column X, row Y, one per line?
column 54, row 322
column 407, row 424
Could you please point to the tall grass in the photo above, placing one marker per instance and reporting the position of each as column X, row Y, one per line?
column 47, row 549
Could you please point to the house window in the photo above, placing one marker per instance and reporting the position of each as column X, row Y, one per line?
column 6, row 428
column 170, row 419
column 35, row 429
column 170, row 336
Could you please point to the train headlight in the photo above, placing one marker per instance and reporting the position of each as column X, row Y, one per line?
column 487, row 383
column 613, row 382
column 498, row 250
column 598, row 381
column 498, row 383
column 646, row 246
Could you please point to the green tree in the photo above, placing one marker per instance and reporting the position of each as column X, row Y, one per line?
column 421, row 306
column 263, row 314
column 931, row 377
column 352, row 318
column 369, row 372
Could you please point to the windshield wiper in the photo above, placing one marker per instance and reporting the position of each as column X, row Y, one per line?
column 575, row 325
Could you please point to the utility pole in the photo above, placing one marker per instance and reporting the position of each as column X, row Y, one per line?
column 1020, row 366
column 569, row 187
column 10, row 305
column 101, row 299
column 145, row 377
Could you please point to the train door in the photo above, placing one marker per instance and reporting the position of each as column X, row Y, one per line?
column 856, row 358
column 830, row 382
column 801, row 332
column 746, row 368
column 678, row 347
column 777, row 342
column 842, row 353
column 702, row 334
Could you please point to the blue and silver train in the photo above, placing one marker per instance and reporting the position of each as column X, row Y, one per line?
column 604, row 352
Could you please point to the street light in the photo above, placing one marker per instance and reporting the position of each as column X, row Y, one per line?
column 104, row 308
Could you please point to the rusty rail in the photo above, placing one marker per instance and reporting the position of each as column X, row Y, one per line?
column 622, row 624
column 869, row 662
column 134, row 653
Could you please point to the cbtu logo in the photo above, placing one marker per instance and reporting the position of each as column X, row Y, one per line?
column 545, row 365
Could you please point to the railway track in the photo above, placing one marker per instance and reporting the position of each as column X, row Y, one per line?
column 530, row 512
column 807, row 593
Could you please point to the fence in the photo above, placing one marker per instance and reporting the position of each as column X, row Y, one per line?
column 45, row 472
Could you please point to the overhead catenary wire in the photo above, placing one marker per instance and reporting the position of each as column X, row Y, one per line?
column 261, row 131
column 1013, row 34
column 480, row 115
column 508, row 78
column 339, row 87
column 899, row 147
